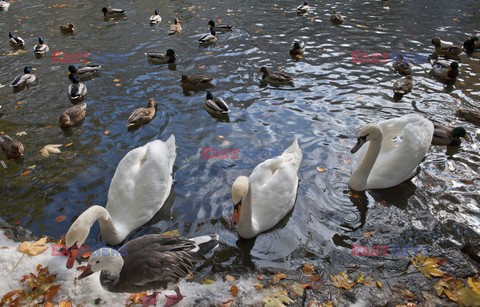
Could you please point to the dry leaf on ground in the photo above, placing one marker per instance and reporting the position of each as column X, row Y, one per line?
column 33, row 248
column 342, row 280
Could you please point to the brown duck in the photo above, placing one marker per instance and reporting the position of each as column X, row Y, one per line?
column 142, row 116
column 12, row 149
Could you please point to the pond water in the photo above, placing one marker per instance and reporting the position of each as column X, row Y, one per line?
column 329, row 101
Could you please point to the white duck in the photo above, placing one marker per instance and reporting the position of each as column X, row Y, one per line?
column 386, row 162
column 263, row 199
column 139, row 188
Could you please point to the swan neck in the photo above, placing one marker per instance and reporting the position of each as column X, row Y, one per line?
column 109, row 231
column 360, row 175
column 246, row 227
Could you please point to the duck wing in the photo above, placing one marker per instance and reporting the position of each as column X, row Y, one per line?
column 18, row 81
column 140, row 116
column 218, row 105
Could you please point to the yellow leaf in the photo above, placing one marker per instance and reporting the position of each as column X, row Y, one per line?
column 450, row 286
column 278, row 299
column 136, row 298
column 321, row 169
column 32, row 166
column 25, row 172
column 221, row 136
column 428, row 266
column 118, row 84
column 342, row 281
column 379, row 284
column 33, row 248
column 229, row 278
column 277, row 277
column 297, row 289
column 208, row 282
column 69, row 144
column 172, row 233
column 64, row 304
column 259, row 286
column 308, row 269
column 468, row 297
column 116, row 80
column 475, row 285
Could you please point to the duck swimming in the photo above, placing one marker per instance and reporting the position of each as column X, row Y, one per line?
column 73, row 116
column 175, row 28
column 77, row 90
column 215, row 105
column 208, row 39
column 68, row 28
column 297, row 48
column 11, row 148
column 15, row 41
column 219, row 27
column 28, row 78
column 449, row 136
column 113, row 13
column 275, row 78
column 41, row 48
column 83, row 71
column 142, row 116
column 162, row 57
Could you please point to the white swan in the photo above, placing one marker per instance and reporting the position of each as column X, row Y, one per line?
column 263, row 199
column 387, row 161
column 139, row 188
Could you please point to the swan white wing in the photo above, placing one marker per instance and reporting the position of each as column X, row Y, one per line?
column 141, row 184
column 398, row 159
column 273, row 185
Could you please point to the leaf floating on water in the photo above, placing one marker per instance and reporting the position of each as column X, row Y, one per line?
column 368, row 234
column 308, row 269
column 321, row 169
column 277, row 277
column 278, row 299
column 50, row 149
column 172, row 233
column 234, row 290
column 342, row 281
column 221, row 136
column 260, row 277
column 428, row 266
column 60, row 218
column 208, row 282
column 259, row 287
column 106, row 132
column 208, row 52
column 69, row 144
column 229, row 278
column 33, row 248
column 379, row 284
column 118, row 84
column 25, row 172
column 116, row 80
column 21, row 133
column 201, row 66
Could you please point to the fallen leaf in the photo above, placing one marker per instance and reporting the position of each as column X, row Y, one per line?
column 221, row 136
column 368, row 234
column 379, row 284
column 65, row 304
column 408, row 295
column 48, row 304
column 227, row 303
column 116, row 80
column 208, row 282
column 201, row 67
column 136, row 298
column 342, row 281
column 297, row 289
column 321, row 169
column 60, row 218
column 118, row 84
column 277, row 277
column 314, row 278
column 86, row 255
column 229, row 278
column 475, row 285
column 25, row 172
column 468, row 297
column 33, row 248
column 172, row 233
column 50, row 149
column 32, row 166
column 278, row 299
column 260, row 277
column 106, row 132
column 51, row 292
column 21, row 133
column 19, row 102
column 449, row 286
column 69, row 144
column 308, row 269
column 428, row 266
column 259, row 287
column 234, row 290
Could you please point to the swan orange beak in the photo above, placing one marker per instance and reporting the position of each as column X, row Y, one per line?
column 360, row 142
column 72, row 254
column 236, row 213
column 87, row 272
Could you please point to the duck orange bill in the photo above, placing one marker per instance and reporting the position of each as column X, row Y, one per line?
column 236, row 213
column 87, row 272
column 72, row 254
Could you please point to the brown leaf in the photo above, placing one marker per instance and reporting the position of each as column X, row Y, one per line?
column 368, row 234
column 277, row 277
column 308, row 269
column 51, row 292
column 48, row 304
column 60, row 218
column 25, row 172
column 234, row 290
column 260, row 277
column 136, row 298
column 65, row 304
column 201, row 67
column 106, row 132
column 227, row 303
column 342, row 280
column 314, row 278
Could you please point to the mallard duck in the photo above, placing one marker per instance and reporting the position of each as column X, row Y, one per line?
column 73, row 115
column 402, row 66
column 208, row 39
column 41, row 48
column 445, row 70
column 447, row 136
column 4, row 5
column 77, row 90
column 472, row 116
column 15, row 41
column 155, row 18
column 68, row 28
column 162, row 57
column 175, row 28
column 219, row 27
column 152, row 262
column 28, row 78
column 113, row 13
column 336, row 17
column 215, row 105
column 12, row 149
column 297, row 48
column 403, row 85
column 141, row 116
column 444, row 50
column 303, row 8
column 275, row 78
column 83, row 71
column 197, row 81
column 470, row 45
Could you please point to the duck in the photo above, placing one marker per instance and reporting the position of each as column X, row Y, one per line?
column 470, row 45
column 208, row 39
column 155, row 18
column 162, row 57
column 77, row 90
column 196, row 81
column 141, row 184
column 83, row 71
column 264, row 198
column 445, row 70
column 113, row 13
column 28, row 78
column 4, row 5
column 303, row 8
column 15, row 41
column 142, row 116
column 150, row 263
column 384, row 161
column 175, row 28
column 469, row 115
column 215, row 105
column 449, row 136
column 68, row 28
column 297, row 48
column 444, row 50
column 403, row 85
column 275, row 78
column 219, row 27
column 11, row 148
column 402, row 65
column 72, row 116
column 336, row 17
column 41, row 48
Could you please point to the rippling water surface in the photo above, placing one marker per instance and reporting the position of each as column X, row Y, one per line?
column 331, row 98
